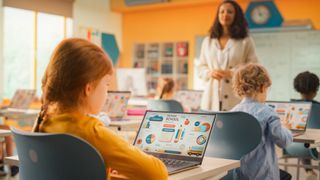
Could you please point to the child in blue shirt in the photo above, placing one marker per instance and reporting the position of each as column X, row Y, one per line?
column 251, row 83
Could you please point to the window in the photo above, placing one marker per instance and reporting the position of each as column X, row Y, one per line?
column 29, row 40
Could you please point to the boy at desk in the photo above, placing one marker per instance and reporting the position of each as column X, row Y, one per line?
column 251, row 83
column 307, row 85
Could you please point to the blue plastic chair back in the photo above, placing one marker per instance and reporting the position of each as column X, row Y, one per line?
column 314, row 121
column 57, row 156
column 235, row 134
column 164, row 105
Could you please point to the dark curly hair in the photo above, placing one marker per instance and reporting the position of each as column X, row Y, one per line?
column 306, row 83
column 239, row 27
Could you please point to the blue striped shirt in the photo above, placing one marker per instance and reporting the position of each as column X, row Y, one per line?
column 262, row 162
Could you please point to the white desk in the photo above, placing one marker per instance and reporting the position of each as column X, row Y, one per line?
column 4, row 133
column 214, row 168
column 18, row 114
column 11, row 160
column 132, row 124
column 311, row 136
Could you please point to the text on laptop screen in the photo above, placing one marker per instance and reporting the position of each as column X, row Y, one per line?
column 291, row 113
column 116, row 104
column 190, row 99
column 175, row 133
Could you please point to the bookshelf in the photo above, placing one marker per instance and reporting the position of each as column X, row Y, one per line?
column 163, row 59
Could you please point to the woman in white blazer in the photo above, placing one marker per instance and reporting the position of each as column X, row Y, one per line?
column 227, row 47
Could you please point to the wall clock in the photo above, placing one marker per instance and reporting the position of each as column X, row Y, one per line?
column 263, row 14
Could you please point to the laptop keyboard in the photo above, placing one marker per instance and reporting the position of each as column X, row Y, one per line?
column 175, row 162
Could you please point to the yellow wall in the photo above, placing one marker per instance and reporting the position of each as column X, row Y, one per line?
column 185, row 22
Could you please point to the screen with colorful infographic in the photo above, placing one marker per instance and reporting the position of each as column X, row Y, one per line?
column 116, row 104
column 190, row 99
column 293, row 114
column 175, row 133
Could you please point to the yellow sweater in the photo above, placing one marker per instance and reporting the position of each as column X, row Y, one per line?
column 116, row 152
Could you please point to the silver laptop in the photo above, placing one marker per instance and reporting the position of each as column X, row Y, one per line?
column 116, row 104
column 190, row 99
column 295, row 114
column 178, row 139
column 20, row 102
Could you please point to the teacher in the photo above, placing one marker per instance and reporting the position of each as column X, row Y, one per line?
column 227, row 46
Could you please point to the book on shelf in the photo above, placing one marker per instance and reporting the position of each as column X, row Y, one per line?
column 182, row 49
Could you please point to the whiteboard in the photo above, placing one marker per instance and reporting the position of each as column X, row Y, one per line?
column 285, row 54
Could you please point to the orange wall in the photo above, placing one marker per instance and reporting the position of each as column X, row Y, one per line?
column 184, row 23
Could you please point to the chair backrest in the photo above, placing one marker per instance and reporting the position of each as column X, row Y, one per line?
column 165, row 105
column 57, row 156
column 314, row 121
column 234, row 135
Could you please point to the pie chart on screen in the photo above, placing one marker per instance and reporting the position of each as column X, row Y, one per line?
column 206, row 126
column 201, row 140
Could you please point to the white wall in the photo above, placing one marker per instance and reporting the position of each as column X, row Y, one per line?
column 96, row 14
column 1, row 51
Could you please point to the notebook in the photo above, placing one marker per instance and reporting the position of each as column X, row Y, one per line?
column 116, row 104
column 295, row 114
column 178, row 139
column 190, row 99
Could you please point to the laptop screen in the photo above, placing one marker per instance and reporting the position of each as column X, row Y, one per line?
column 295, row 114
column 184, row 134
column 22, row 98
column 190, row 99
column 116, row 103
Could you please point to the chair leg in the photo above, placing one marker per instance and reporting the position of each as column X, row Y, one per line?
column 319, row 170
column 298, row 169
column 286, row 162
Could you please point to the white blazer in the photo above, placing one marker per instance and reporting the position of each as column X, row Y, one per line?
column 237, row 52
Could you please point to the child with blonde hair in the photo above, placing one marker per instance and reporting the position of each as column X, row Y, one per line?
column 74, row 85
column 251, row 83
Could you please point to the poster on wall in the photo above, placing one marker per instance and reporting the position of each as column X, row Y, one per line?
column 105, row 40
column 91, row 34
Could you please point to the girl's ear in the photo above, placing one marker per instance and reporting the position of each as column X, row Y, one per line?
column 88, row 89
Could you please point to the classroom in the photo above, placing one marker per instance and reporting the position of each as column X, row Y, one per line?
column 160, row 89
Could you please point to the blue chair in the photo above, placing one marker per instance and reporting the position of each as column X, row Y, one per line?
column 235, row 134
column 57, row 156
column 298, row 150
column 314, row 121
column 165, row 105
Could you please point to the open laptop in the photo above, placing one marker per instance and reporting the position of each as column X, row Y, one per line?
column 20, row 102
column 178, row 139
column 190, row 99
column 116, row 104
column 295, row 114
